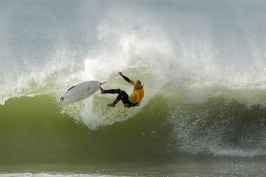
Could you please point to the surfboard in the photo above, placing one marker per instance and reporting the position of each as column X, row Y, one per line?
column 79, row 91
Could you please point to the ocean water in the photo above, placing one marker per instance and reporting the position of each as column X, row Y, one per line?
column 203, row 66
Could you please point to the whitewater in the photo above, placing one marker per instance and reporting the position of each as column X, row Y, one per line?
column 202, row 64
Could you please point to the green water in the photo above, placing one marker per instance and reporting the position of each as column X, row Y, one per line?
column 33, row 131
column 37, row 137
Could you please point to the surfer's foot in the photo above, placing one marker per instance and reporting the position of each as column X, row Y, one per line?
column 102, row 90
column 111, row 105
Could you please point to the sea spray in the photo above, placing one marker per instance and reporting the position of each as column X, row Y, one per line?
column 51, row 78
column 221, row 126
column 204, row 60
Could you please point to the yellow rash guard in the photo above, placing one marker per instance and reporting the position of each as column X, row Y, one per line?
column 137, row 95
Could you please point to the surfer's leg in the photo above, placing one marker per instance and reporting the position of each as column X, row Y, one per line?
column 112, row 91
column 121, row 96
column 126, row 99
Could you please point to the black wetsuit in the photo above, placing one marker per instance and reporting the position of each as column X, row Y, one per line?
column 122, row 95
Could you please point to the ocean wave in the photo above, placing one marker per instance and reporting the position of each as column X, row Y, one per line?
column 202, row 94
column 219, row 126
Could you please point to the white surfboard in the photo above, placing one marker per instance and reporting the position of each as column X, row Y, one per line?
column 80, row 91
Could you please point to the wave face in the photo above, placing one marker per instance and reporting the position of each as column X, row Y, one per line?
column 35, row 130
column 202, row 65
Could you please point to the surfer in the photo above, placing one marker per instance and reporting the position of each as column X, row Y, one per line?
column 129, row 101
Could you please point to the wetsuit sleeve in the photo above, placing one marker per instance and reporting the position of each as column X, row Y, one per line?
column 128, row 80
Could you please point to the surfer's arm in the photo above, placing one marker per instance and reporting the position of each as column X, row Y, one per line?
column 127, row 79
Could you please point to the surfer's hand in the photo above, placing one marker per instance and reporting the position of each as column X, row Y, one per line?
column 126, row 105
column 120, row 73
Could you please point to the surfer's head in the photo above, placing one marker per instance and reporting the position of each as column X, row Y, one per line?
column 137, row 85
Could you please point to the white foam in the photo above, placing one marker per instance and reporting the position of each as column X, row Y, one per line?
column 35, row 80
column 237, row 152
